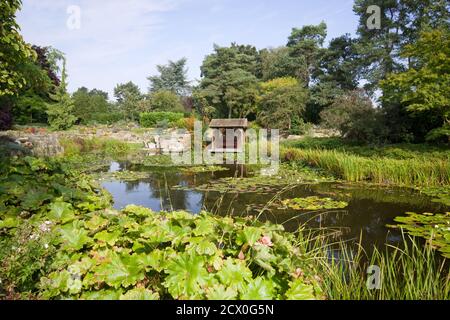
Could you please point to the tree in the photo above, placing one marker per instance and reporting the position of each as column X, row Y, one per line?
column 306, row 47
column 129, row 99
column 30, row 105
column 277, row 63
column 172, row 77
column 423, row 89
column 60, row 114
column 282, row 103
column 354, row 116
column 90, row 105
column 165, row 101
column 230, row 81
column 339, row 63
column 123, row 89
column 13, row 50
column 401, row 23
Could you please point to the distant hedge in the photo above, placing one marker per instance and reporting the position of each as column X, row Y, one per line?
column 158, row 119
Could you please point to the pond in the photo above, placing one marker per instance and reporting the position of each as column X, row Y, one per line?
column 368, row 212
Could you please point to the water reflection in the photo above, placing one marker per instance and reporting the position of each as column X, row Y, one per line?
column 368, row 212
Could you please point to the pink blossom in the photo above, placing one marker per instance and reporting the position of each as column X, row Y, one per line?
column 266, row 241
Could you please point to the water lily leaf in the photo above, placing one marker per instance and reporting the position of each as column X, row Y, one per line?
column 300, row 291
column 61, row 211
column 220, row 292
column 73, row 236
column 313, row 203
column 139, row 294
column 235, row 274
column 186, row 274
column 258, row 289
column 120, row 270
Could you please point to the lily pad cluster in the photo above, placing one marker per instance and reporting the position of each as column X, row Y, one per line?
column 439, row 194
column 200, row 169
column 263, row 184
column 313, row 203
column 125, row 175
column 433, row 227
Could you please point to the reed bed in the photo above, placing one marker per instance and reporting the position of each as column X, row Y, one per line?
column 408, row 272
column 381, row 170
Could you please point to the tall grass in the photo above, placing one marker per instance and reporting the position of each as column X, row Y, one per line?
column 412, row 272
column 381, row 170
column 109, row 147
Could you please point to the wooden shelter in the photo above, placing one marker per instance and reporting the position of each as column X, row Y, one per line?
column 228, row 135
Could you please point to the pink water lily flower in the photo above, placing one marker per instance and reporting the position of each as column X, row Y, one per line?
column 266, row 241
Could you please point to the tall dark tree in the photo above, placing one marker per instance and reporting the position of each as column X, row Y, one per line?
column 172, row 77
column 306, row 46
column 229, row 81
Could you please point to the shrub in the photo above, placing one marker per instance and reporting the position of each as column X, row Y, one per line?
column 355, row 117
column 5, row 114
column 166, row 101
column 60, row 114
column 151, row 119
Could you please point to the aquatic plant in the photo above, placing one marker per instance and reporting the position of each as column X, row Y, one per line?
column 313, row 203
column 407, row 272
column 433, row 227
column 381, row 170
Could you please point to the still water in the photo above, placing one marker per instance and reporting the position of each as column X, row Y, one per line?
column 370, row 209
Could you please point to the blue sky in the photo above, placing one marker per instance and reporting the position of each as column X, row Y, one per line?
column 123, row 40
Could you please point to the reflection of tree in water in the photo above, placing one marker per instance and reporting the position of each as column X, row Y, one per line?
column 132, row 186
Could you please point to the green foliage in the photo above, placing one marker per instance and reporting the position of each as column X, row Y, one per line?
column 35, row 197
column 433, row 227
column 355, row 117
column 109, row 147
column 165, row 101
column 92, row 106
column 129, row 100
column 14, row 52
column 407, row 272
column 229, row 82
column 314, row 203
column 423, row 88
column 277, row 63
column 30, row 108
column 154, row 119
column 163, row 256
column 381, row 170
column 172, row 77
column 60, row 114
column 281, row 104
column 306, row 47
